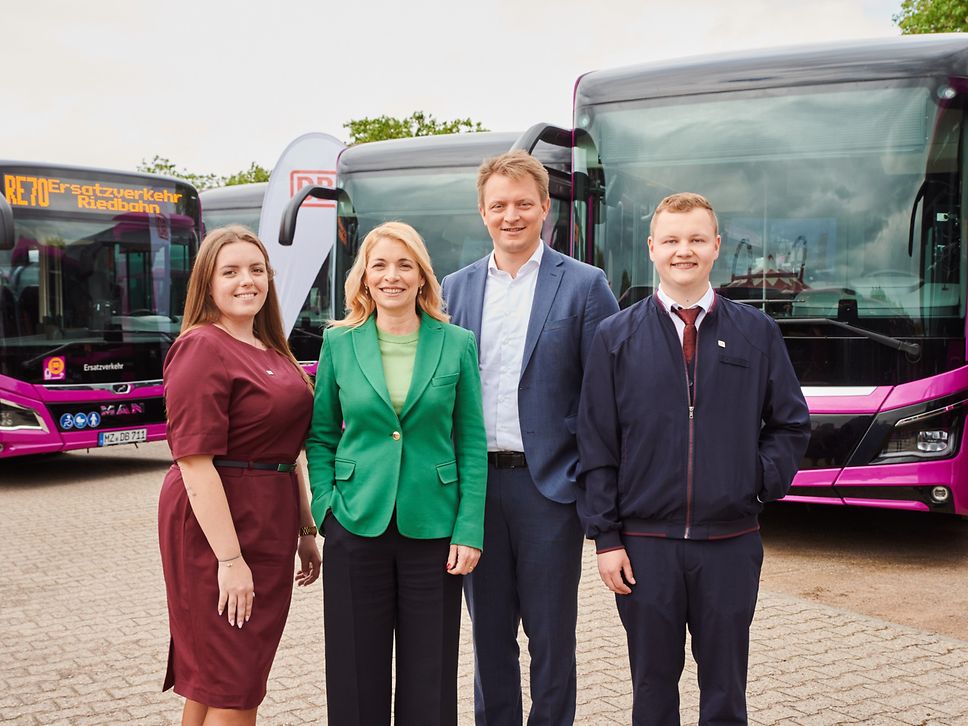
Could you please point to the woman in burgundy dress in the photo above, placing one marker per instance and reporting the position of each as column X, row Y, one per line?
column 234, row 508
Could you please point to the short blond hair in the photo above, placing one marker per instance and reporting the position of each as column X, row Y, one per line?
column 359, row 303
column 514, row 165
column 681, row 203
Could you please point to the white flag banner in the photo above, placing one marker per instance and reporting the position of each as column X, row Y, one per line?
column 310, row 160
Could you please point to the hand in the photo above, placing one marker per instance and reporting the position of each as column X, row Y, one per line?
column 236, row 591
column 462, row 559
column 310, row 560
column 612, row 566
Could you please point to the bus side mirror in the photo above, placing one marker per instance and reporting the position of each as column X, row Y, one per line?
column 287, row 227
column 549, row 134
column 559, row 182
column 6, row 225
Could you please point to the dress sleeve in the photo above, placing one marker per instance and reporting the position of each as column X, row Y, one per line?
column 197, row 394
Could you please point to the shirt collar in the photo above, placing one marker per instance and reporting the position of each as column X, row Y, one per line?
column 533, row 262
column 704, row 302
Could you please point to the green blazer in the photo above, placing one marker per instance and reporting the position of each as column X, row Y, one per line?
column 429, row 463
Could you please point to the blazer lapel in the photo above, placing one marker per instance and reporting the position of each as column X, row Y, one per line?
column 367, row 350
column 546, row 287
column 477, row 278
column 429, row 346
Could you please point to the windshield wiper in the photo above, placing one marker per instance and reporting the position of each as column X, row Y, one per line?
column 117, row 332
column 912, row 348
column 307, row 333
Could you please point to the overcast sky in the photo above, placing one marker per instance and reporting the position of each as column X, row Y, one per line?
column 216, row 84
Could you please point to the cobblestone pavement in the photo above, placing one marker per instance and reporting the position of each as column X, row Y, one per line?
column 83, row 626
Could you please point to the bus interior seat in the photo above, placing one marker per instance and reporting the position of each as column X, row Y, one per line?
column 28, row 310
column 8, row 313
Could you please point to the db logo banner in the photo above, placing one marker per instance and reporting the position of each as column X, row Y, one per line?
column 300, row 178
column 54, row 368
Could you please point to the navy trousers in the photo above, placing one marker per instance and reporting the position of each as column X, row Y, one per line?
column 710, row 586
column 528, row 575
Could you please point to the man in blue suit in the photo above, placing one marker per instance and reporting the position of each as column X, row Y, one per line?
column 534, row 312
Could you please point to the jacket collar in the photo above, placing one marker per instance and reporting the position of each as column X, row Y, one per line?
column 476, row 280
column 429, row 345
column 546, row 288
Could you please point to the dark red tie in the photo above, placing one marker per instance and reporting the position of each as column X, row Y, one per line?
column 689, row 334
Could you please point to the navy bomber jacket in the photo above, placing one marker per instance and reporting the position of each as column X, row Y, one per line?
column 660, row 460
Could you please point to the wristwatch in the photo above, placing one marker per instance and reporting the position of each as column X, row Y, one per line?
column 309, row 531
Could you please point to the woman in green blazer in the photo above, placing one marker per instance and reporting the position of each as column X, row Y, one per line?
column 398, row 467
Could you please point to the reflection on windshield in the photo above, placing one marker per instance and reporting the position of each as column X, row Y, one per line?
column 441, row 206
column 91, row 281
column 248, row 217
column 814, row 190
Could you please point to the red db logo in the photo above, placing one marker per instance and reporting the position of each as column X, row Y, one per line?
column 312, row 177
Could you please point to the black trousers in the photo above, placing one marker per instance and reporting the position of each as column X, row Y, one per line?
column 375, row 588
column 710, row 586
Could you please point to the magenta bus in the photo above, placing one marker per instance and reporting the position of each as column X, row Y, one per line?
column 838, row 173
column 94, row 269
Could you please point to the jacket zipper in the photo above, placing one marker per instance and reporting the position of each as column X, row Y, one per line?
column 691, row 393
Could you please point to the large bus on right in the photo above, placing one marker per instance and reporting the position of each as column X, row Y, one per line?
column 837, row 173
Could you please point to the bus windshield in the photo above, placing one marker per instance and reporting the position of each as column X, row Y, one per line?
column 441, row 204
column 814, row 188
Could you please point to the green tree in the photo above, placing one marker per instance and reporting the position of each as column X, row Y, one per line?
column 416, row 124
column 932, row 16
column 254, row 173
column 166, row 167
column 162, row 165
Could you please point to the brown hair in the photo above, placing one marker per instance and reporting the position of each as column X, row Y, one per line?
column 684, row 202
column 359, row 304
column 200, row 309
column 514, row 165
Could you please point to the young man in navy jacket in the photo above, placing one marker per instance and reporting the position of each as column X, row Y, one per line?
column 691, row 417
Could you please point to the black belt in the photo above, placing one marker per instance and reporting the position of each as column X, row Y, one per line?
column 507, row 459
column 254, row 465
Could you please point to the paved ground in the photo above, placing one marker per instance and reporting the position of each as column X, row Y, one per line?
column 83, row 626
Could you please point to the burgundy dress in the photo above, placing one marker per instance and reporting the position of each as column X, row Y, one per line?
column 229, row 399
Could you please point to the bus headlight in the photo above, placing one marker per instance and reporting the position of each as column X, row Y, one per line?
column 931, row 435
column 14, row 417
column 933, row 442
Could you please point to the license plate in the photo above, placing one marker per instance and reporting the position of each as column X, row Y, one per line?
column 128, row 436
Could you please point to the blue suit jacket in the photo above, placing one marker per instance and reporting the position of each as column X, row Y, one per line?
column 570, row 300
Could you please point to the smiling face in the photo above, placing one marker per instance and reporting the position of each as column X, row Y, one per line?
column 684, row 246
column 513, row 212
column 393, row 277
column 240, row 282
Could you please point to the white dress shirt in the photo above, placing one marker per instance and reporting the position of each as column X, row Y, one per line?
column 704, row 303
column 504, row 326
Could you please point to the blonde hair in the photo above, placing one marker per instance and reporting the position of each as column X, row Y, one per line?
column 359, row 303
column 681, row 203
column 514, row 165
column 201, row 310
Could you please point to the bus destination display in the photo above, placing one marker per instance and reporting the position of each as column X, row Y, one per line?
column 62, row 194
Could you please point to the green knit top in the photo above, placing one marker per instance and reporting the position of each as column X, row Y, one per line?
column 398, row 352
